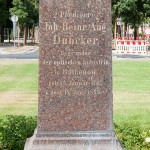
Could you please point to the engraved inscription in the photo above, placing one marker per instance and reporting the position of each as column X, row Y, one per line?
column 75, row 14
column 73, row 53
column 82, row 40
column 65, row 66
column 75, row 90
column 75, row 27
column 75, row 83
column 71, row 62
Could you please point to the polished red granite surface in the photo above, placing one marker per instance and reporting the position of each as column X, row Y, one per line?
column 75, row 66
column 75, row 77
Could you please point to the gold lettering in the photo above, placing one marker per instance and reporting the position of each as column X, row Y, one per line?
column 51, row 27
column 65, row 14
column 75, row 41
column 56, row 39
column 78, row 53
column 74, row 83
column 78, row 72
column 84, row 27
column 98, row 62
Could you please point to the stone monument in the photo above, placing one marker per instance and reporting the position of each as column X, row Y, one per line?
column 75, row 77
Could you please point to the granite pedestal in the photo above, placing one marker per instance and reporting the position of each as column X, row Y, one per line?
column 75, row 77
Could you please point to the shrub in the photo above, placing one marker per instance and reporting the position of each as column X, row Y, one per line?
column 15, row 130
column 132, row 136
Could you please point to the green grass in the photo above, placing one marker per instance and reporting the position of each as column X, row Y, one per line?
column 131, row 88
column 131, row 76
column 18, row 89
column 18, row 77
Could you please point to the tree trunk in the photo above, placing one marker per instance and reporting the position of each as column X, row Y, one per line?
column 1, row 34
column 33, row 32
column 125, row 29
column 28, row 33
column 9, row 30
column 118, row 31
column 36, row 34
column 115, row 36
column 18, row 35
column 142, row 29
column 135, row 32
column 25, row 36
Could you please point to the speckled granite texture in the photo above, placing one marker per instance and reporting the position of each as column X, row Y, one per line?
column 75, row 76
column 74, row 141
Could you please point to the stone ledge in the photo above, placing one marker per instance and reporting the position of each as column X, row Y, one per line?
column 109, row 142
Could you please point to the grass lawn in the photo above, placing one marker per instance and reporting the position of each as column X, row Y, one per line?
column 131, row 88
column 18, row 87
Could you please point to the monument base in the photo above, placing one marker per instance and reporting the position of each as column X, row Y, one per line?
column 73, row 141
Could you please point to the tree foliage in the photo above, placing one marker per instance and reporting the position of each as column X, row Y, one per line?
column 133, row 12
column 147, row 8
column 32, row 8
column 26, row 10
column 4, row 14
column 19, row 10
column 3, row 18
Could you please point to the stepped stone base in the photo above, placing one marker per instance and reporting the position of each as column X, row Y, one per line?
column 73, row 141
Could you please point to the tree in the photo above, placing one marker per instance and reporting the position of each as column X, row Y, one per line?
column 32, row 8
column 27, row 12
column 8, row 21
column 115, row 15
column 132, row 12
column 3, row 17
column 19, row 10
column 147, row 8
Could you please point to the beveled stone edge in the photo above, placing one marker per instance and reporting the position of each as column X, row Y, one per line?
column 86, row 134
column 38, row 141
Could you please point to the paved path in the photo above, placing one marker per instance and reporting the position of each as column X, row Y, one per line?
column 133, row 57
column 26, row 53
column 34, row 54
